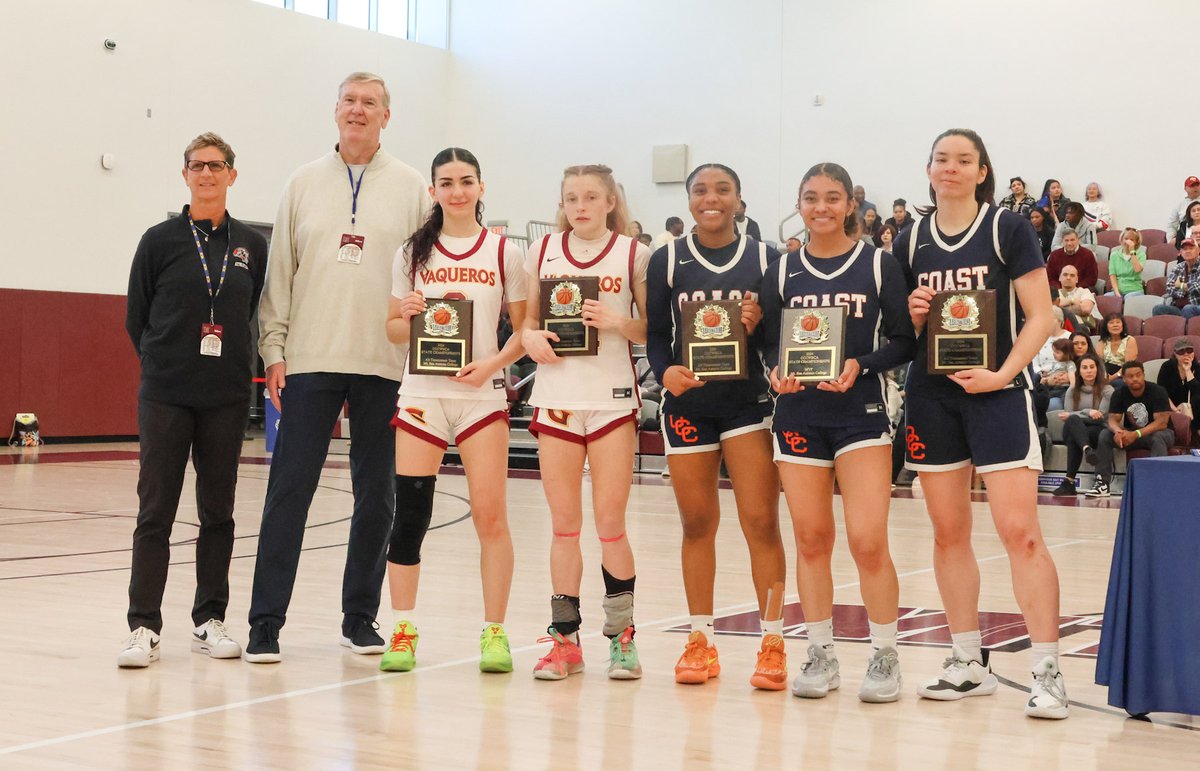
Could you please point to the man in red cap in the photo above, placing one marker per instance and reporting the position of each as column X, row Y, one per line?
column 1191, row 186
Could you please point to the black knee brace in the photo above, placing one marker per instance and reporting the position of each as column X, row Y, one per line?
column 414, row 510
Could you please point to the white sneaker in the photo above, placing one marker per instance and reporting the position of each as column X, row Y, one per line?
column 141, row 649
column 1048, row 696
column 882, row 683
column 960, row 677
column 818, row 676
column 211, row 638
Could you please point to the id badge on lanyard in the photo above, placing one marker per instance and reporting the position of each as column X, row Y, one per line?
column 351, row 248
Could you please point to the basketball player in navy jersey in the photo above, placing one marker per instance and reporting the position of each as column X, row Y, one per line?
column 702, row 421
column 839, row 429
column 981, row 417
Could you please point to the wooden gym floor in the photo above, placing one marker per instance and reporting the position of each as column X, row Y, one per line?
column 66, row 520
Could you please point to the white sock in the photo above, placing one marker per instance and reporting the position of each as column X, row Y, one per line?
column 882, row 635
column 486, row 624
column 971, row 644
column 409, row 615
column 703, row 624
column 771, row 627
column 1041, row 650
column 820, row 632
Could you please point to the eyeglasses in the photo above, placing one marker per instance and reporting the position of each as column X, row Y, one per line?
column 1186, row 350
column 216, row 167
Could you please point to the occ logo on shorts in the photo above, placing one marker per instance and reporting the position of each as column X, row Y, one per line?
column 684, row 429
column 916, row 448
column 795, row 442
column 417, row 413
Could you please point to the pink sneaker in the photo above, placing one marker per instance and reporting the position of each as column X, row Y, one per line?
column 565, row 658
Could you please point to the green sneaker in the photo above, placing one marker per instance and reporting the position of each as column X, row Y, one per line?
column 494, row 653
column 623, row 661
column 401, row 655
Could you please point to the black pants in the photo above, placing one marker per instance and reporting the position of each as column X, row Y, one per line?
column 1077, row 432
column 312, row 403
column 214, row 438
column 1158, row 443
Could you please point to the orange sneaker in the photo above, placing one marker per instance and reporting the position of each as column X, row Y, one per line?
column 698, row 662
column 565, row 658
column 770, row 674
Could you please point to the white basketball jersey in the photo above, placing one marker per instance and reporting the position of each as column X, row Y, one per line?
column 607, row 380
column 485, row 269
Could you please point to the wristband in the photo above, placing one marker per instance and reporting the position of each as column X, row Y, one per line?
column 1139, row 433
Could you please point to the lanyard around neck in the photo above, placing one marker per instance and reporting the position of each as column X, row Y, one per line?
column 212, row 295
column 354, row 188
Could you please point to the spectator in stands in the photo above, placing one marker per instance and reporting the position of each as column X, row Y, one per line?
column 1139, row 417
column 1018, row 200
column 860, row 196
column 1051, row 364
column 870, row 225
column 635, row 230
column 1076, row 301
column 1072, row 253
column 645, row 238
column 1191, row 187
column 1081, row 345
column 1053, row 202
column 1043, row 228
column 674, row 230
column 1084, row 411
column 1189, row 220
column 1077, row 222
column 1183, row 285
column 1095, row 210
column 887, row 236
column 794, row 244
column 1117, row 346
column 900, row 218
column 1125, row 264
column 1179, row 377
column 744, row 224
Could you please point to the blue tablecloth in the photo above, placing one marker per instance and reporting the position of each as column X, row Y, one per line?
column 1148, row 656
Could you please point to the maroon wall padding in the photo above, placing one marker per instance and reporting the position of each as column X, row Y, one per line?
column 66, row 357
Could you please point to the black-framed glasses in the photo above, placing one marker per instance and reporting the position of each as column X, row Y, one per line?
column 215, row 167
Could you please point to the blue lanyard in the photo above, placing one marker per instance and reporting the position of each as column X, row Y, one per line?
column 212, row 296
column 354, row 194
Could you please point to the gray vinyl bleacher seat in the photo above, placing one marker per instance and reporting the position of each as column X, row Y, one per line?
column 1153, row 269
column 1152, row 367
column 1142, row 305
column 1100, row 250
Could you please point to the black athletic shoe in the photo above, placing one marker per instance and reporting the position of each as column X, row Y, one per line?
column 263, row 646
column 359, row 635
column 1065, row 490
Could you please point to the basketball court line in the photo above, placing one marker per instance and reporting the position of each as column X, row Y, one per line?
column 67, row 738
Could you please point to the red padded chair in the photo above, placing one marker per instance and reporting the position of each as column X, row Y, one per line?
column 1193, row 326
column 1149, row 347
column 1157, row 287
column 1109, row 238
column 1109, row 305
column 1162, row 252
column 1152, row 236
column 1133, row 324
column 1162, row 326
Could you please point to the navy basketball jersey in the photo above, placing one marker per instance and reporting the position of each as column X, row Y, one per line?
column 868, row 282
column 996, row 249
column 684, row 271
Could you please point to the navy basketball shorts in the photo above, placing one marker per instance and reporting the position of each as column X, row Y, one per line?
column 994, row 431
column 807, row 445
column 684, row 432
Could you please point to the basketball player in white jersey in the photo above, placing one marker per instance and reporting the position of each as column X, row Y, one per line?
column 452, row 256
column 585, row 408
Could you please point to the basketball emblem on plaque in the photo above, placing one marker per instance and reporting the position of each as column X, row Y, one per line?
column 714, row 339
column 441, row 338
column 962, row 331
column 812, row 343
column 562, row 314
